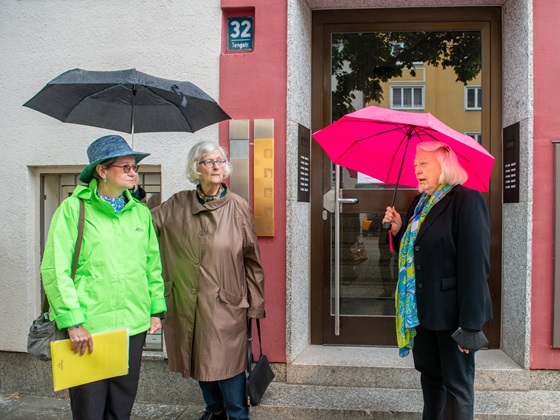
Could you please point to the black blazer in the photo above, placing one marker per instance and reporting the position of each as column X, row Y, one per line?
column 452, row 262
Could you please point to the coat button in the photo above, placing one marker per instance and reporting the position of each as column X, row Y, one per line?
column 201, row 233
column 419, row 266
column 417, row 248
column 193, row 291
column 419, row 285
column 195, row 261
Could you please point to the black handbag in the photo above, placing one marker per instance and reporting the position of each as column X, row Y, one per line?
column 358, row 252
column 42, row 330
column 260, row 376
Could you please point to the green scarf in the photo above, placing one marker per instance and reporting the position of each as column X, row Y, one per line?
column 405, row 297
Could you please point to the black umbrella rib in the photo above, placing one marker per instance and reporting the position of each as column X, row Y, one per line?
column 407, row 136
column 423, row 130
column 168, row 102
column 130, row 87
column 91, row 96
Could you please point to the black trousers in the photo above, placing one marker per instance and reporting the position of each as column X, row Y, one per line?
column 447, row 376
column 113, row 398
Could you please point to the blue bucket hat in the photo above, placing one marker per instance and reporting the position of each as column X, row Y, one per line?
column 104, row 148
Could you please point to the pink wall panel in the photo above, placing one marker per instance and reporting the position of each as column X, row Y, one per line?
column 253, row 86
column 546, row 130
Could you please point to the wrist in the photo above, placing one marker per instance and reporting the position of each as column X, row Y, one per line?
column 73, row 327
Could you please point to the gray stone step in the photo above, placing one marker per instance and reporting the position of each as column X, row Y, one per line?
column 324, row 382
column 292, row 401
column 374, row 367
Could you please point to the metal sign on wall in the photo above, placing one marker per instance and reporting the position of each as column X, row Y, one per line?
column 304, row 162
column 511, row 163
column 263, row 177
column 240, row 33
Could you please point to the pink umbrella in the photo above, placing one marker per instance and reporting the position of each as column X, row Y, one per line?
column 382, row 142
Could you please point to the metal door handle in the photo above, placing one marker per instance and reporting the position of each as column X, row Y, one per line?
column 330, row 200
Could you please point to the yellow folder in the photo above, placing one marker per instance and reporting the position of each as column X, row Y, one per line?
column 109, row 359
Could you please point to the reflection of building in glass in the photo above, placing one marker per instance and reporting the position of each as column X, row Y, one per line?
column 419, row 91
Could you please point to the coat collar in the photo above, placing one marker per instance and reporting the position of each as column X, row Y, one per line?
column 434, row 213
column 210, row 205
column 89, row 194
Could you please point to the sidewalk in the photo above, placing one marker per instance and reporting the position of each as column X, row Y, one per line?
column 26, row 407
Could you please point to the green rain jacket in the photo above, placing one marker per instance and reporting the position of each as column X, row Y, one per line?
column 118, row 280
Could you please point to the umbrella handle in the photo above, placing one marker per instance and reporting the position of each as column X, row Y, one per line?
column 387, row 225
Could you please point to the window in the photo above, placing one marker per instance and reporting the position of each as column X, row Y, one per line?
column 473, row 98
column 475, row 135
column 409, row 97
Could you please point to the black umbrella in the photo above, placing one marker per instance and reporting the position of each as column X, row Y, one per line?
column 128, row 101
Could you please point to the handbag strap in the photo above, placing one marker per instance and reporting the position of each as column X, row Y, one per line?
column 250, row 342
column 77, row 249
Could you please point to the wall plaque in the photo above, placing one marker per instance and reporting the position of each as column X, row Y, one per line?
column 511, row 164
column 304, row 163
column 263, row 175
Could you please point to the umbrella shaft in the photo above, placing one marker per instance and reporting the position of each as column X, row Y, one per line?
column 132, row 116
column 408, row 136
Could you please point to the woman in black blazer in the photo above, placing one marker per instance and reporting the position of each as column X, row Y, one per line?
column 443, row 280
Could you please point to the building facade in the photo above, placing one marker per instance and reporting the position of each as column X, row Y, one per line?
column 268, row 63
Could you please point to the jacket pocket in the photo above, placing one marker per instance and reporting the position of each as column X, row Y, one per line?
column 232, row 300
column 448, row 283
column 168, row 285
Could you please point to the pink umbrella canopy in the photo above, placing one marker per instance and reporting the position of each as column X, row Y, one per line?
column 373, row 141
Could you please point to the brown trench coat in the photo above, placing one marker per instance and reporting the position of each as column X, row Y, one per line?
column 213, row 281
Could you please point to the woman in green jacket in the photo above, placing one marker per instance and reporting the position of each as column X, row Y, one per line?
column 118, row 279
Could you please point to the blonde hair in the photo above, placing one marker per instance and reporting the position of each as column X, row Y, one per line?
column 199, row 150
column 452, row 173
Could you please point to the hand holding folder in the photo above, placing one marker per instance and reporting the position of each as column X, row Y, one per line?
column 109, row 359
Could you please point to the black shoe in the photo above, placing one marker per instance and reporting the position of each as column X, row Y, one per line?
column 213, row 416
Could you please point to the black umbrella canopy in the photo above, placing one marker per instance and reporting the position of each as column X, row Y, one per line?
column 128, row 101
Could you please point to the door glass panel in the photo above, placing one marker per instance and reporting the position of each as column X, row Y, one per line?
column 368, row 287
column 435, row 72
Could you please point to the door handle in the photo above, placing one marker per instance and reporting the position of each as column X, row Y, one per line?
column 347, row 200
column 330, row 199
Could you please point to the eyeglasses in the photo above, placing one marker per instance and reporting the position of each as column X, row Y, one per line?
column 126, row 168
column 209, row 163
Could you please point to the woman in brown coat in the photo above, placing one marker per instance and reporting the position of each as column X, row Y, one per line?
column 214, row 281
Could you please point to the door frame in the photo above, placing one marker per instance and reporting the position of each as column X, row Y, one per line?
column 485, row 19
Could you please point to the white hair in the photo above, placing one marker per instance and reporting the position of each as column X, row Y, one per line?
column 452, row 173
column 199, row 150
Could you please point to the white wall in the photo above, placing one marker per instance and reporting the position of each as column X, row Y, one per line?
column 176, row 39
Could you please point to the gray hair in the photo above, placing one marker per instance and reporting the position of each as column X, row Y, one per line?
column 452, row 173
column 199, row 150
column 104, row 163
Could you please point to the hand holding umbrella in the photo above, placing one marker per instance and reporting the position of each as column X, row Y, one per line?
column 393, row 220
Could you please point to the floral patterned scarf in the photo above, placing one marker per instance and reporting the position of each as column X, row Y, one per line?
column 405, row 295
